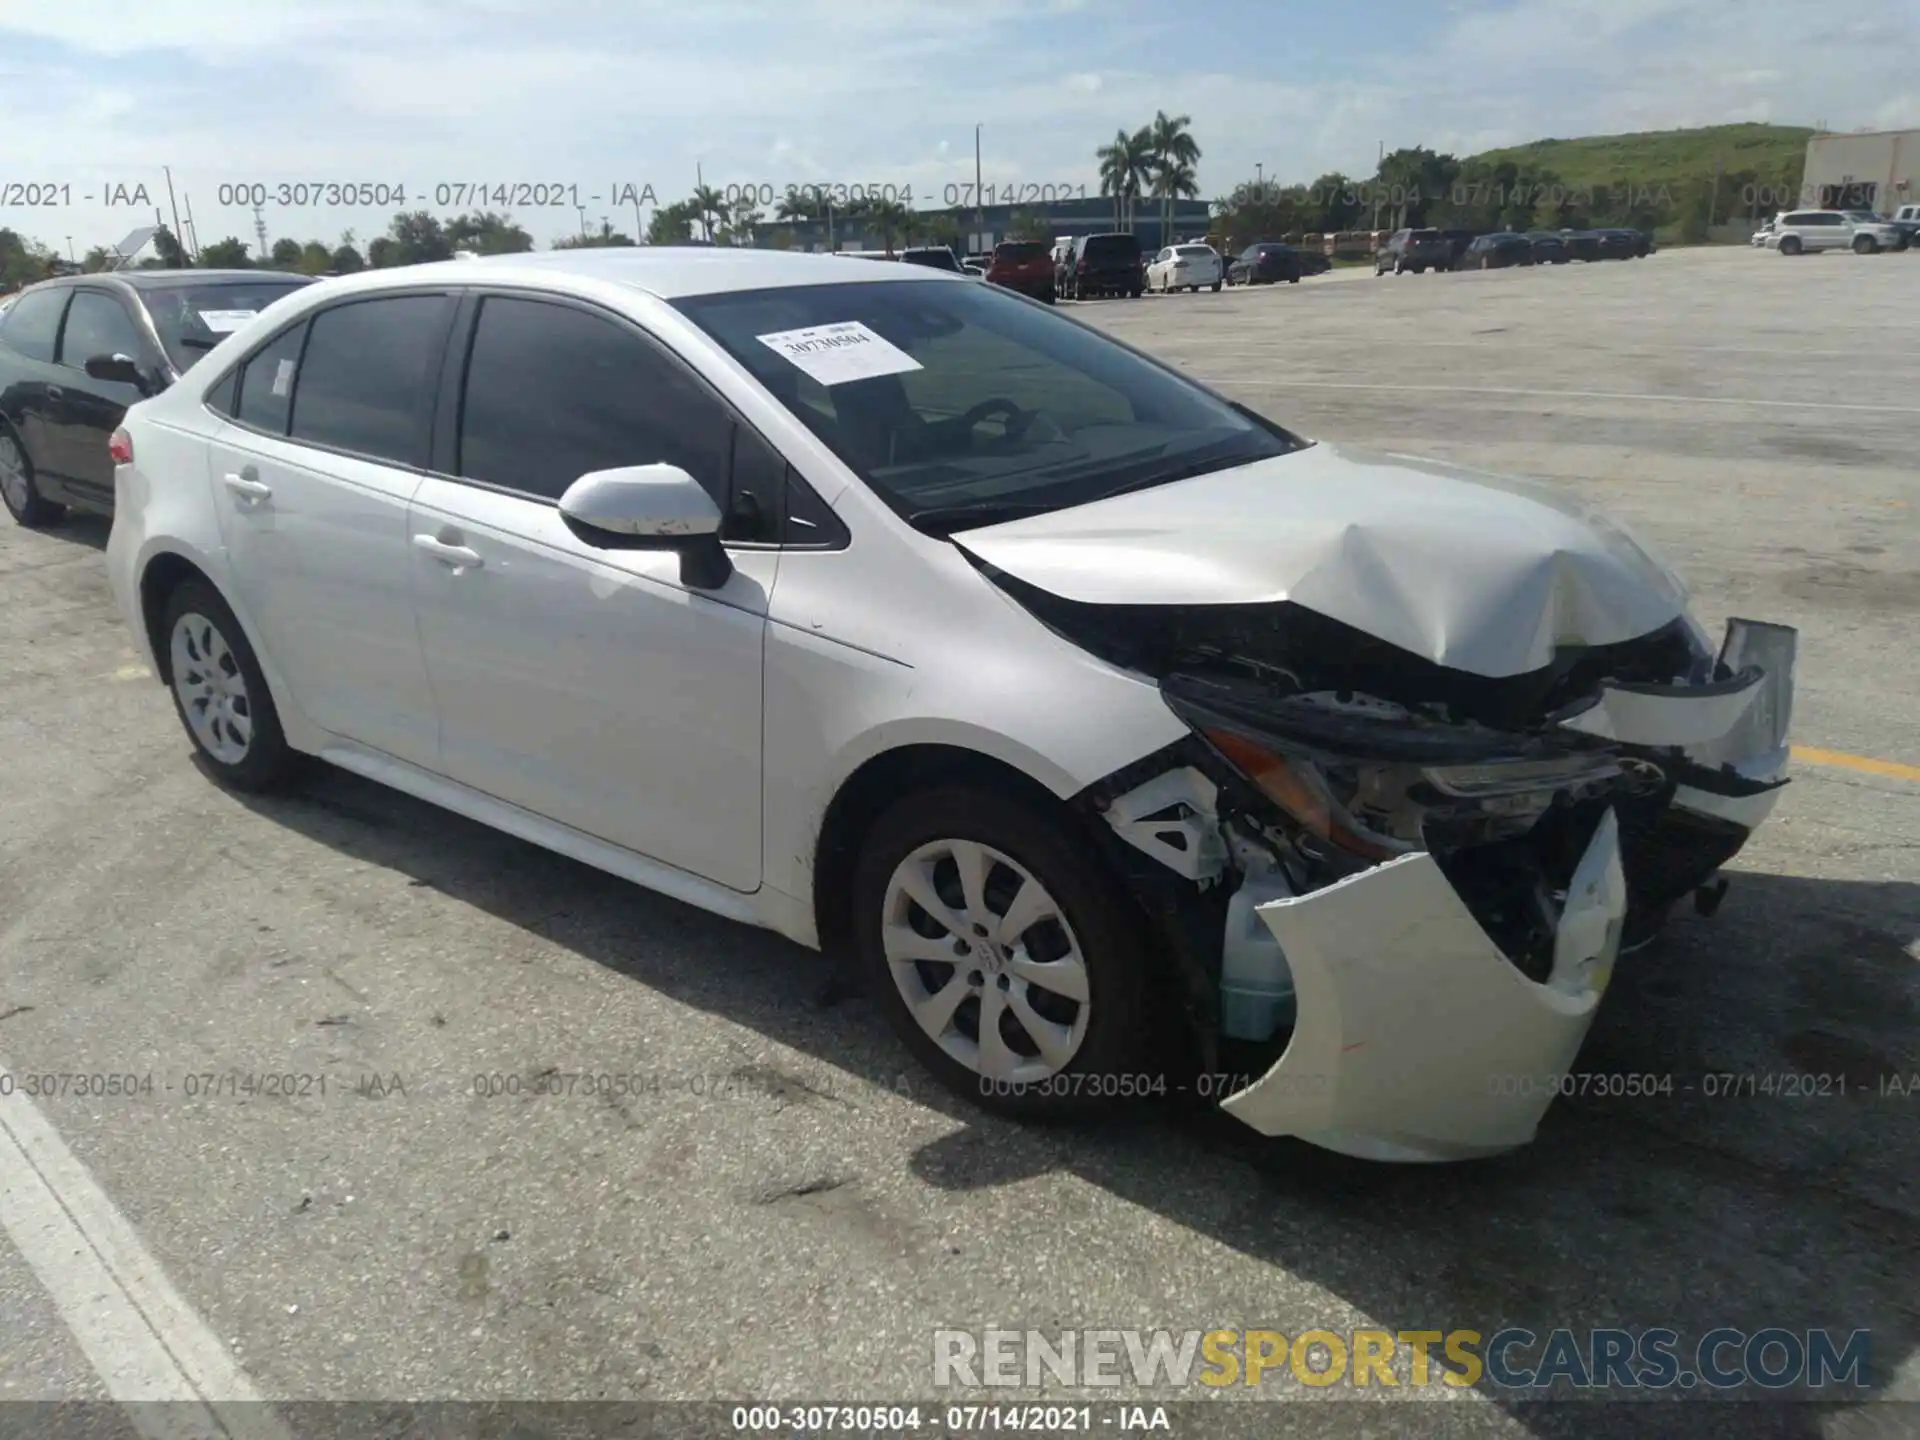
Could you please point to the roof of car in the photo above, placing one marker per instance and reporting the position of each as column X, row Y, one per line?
column 665, row 271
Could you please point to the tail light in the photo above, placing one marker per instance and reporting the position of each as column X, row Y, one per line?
column 120, row 447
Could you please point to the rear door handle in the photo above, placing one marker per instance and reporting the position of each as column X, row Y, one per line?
column 457, row 556
column 245, row 486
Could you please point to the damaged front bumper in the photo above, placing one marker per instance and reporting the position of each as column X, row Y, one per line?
column 1422, row 1028
column 1416, row 1038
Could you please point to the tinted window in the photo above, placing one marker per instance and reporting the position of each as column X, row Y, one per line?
column 1795, row 219
column 366, row 379
column 986, row 399
column 553, row 393
column 266, row 385
column 1015, row 252
column 933, row 259
column 32, row 321
column 192, row 319
column 1111, row 247
column 98, row 324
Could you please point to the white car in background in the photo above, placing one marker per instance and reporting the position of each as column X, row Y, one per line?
column 1797, row 232
column 924, row 624
column 1185, row 267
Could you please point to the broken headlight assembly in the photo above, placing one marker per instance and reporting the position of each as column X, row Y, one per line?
column 1364, row 780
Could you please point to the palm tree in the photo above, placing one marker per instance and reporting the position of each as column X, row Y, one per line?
column 711, row 206
column 740, row 222
column 794, row 205
column 1173, row 180
column 1171, row 147
column 1125, row 165
column 893, row 218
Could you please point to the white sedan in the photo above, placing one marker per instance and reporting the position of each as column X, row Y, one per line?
column 1185, row 267
column 920, row 622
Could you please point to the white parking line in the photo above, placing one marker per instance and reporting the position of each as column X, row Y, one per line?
column 1590, row 395
column 152, row 1352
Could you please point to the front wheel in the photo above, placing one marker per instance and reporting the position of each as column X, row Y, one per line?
column 17, row 486
column 220, row 693
column 1865, row 245
column 1790, row 245
column 1216, row 287
column 1011, row 964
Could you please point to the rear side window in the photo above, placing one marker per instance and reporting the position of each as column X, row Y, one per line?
column 1111, row 246
column 266, row 385
column 367, row 378
column 32, row 321
column 1794, row 219
column 553, row 392
column 98, row 324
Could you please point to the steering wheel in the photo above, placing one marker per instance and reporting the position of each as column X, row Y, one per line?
column 1016, row 420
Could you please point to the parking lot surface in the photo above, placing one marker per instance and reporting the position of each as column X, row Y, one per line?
column 778, row 1204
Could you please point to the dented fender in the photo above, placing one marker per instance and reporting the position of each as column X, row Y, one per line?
column 1415, row 1038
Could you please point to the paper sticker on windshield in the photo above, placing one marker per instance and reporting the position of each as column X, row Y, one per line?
column 283, row 379
column 835, row 354
column 223, row 322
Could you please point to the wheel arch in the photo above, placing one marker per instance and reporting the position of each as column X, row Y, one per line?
column 873, row 786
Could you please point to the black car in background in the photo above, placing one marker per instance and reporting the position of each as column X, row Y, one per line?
column 1267, row 262
column 1616, row 244
column 1497, row 251
column 933, row 257
column 77, row 351
column 1415, row 250
column 1312, row 262
column 1457, row 243
column 1109, row 264
column 1582, row 244
column 1549, row 247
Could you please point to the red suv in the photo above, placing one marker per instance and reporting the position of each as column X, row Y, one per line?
column 1023, row 265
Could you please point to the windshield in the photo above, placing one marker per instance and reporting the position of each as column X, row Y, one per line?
column 941, row 395
column 192, row 319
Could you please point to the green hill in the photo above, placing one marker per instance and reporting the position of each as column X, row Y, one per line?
column 1756, row 162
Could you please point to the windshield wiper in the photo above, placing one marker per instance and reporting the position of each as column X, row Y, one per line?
column 945, row 519
column 1173, row 473
column 199, row 342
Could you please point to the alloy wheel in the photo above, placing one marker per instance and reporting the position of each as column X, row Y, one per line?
column 985, row 959
column 13, row 475
column 212, row 689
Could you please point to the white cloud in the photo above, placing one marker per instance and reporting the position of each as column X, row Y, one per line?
column 882, row 90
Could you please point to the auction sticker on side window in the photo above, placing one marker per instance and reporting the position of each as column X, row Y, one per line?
column 223, row 322
column 835, row 354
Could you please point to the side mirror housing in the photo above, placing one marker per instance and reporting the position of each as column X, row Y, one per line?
column 650, row 507
column 122, row 369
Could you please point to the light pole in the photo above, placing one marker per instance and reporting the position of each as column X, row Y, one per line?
column 979, row 199
column 1259, row 176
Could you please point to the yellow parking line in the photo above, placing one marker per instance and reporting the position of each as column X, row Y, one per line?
column 1865, row 764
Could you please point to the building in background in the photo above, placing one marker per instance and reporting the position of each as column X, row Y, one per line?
column 972, row 231
column 1866, row 170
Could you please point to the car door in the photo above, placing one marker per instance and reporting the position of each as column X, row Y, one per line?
column 312, row 474
column 1830, row 232
column 591, row 686
column 29, row 380
column 88, row 411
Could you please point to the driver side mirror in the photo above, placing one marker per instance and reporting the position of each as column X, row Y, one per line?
column 122, row 369
column 650, row 507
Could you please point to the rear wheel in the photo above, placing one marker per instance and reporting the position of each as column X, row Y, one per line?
column 17, row 487
column 220, row 693
column 1011, row 964
column 1216, row 287
column 1865, row 245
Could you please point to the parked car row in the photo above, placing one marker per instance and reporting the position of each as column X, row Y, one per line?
column 1803, row 232
column 1420, row 250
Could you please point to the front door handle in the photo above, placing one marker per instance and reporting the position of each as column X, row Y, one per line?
column 246, row 486
column 457, row 556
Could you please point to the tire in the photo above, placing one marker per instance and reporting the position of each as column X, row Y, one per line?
column 19, row 490
column 1865, row 245
column 1789, row 244
column 1102, row 934
column 1216, row 287
column 1293, row 279
column 201, row 637
column 1047, row 296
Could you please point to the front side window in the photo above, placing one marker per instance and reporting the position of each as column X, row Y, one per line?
column 98, row 324
column 367, row 377
column 942, row 396
column 553, row 393
column 32, row 322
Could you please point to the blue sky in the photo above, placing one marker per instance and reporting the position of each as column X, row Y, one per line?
column 98, row 93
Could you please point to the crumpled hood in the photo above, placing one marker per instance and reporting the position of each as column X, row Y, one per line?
column 1473, row 571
